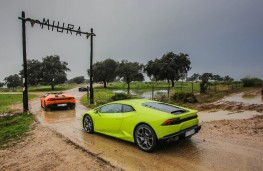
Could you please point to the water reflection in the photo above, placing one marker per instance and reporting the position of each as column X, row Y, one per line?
column 58, row 115
column 145, row 95
column 206, row 116
column 245, row 98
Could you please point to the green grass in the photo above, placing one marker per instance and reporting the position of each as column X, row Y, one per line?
column 7, row 99
column 41, row 88
column 13, row 127
column 101, row 96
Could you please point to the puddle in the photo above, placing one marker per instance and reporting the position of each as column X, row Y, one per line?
column 207, row 116
column 245, row 98
column 145, row 95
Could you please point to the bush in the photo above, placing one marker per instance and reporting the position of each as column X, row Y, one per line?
column 121, row 96
column 251, row 82
column 184, row 97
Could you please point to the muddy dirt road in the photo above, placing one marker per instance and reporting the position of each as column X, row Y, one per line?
column 214, row 148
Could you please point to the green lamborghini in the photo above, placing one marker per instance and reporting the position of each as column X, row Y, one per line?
column 142, row 121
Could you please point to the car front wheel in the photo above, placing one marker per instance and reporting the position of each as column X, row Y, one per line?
column 88, row 124
column 145, row 138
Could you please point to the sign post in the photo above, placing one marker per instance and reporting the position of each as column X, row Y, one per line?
column 25, row 92
column 91, row 68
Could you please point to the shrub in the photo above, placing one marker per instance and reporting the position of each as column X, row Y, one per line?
column 184, row 97
column 251, row 82
column 121, row 96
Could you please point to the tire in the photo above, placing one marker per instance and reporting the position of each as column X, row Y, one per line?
column 72, row 107
column 88, row 124
column 145, row 138
column 46, row 108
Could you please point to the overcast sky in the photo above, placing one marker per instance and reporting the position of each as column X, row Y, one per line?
column 223, row 37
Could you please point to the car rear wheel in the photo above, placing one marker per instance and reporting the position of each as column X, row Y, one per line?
column 145, row 138
column 88, row 124
column 45, row 107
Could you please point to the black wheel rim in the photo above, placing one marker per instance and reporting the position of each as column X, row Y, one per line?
column 87, row 124
column 144, row 138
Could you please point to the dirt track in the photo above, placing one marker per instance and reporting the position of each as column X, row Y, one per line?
column 59, row 143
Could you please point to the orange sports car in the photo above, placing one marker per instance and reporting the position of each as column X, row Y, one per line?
column 53, row 100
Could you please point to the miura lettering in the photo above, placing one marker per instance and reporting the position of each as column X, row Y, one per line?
column 59, row 27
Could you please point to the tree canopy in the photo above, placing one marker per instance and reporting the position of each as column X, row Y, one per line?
column 104, row 71
column 13, row 81
column 170, row 67
column 130, row 71
column 77, row 80
column 50, row 71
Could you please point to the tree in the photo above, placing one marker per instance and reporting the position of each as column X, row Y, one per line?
column 217, row 78
column 194, row 77
column 54, row 71
column 77, row 80
column 174, row 66
column 228, row 79
column 152, row 69
column 129, row 71
column 13, row 81
column 104, row 71
column 34, row 72
column 2, row 84
column 205, row 81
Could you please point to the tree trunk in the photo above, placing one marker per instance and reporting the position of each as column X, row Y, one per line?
column 128, row 87
column 52, row 87
column 105, row 84
column 172, row 83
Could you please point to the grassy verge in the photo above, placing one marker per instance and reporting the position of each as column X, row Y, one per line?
column 47, row 88
column 215, row 91
column 101, row 96
column 12, row 127
column 7, row 99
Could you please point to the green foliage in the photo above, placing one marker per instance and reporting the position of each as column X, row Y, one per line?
column 170, row 67
column 12, row 127
column 77, row 80
column 121, row 96
column 34, row 72
column 2, row 84
column 205, row 81
column 104, row 71
column 251, row 82
column 130, row 71
column 184, row 97
column 13, row 81
column 51, row 71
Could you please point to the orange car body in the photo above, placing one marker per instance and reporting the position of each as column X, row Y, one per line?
column 54, row 100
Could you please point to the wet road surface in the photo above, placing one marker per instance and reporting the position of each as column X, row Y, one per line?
column 196, row 153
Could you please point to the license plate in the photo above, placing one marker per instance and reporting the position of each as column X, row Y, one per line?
column 61, row 105
column 189, row 133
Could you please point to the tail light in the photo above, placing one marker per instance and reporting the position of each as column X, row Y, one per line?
column 171, row 122
column 51, row 99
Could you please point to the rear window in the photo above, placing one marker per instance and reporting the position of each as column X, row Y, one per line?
column 164, row 107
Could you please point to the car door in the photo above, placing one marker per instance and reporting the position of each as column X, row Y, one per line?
column 109, row 118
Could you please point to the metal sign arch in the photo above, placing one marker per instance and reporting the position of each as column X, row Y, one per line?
column 59, row 27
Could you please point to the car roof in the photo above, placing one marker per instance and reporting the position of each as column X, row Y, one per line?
column 133, row 102
column 164, row 107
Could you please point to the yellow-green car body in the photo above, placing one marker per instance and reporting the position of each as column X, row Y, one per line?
column 142, row 121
